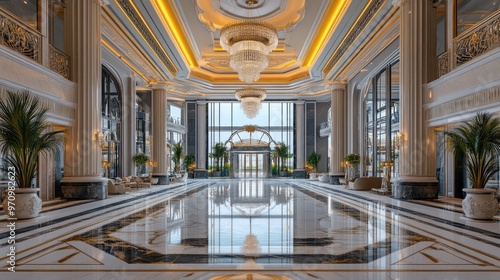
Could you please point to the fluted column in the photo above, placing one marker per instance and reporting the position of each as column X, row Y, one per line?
column 417, row 153
column 83, row 152
column 300, row 145
column 201, row 141
column 159, row 133
column 338, row 131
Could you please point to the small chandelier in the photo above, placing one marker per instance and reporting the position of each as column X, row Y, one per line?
column 250, row 98
column 249, row 43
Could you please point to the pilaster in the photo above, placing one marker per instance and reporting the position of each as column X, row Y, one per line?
column 83, row 156
column 338, row 135
column 300, row 171
column 417, row 152
column 202, row 134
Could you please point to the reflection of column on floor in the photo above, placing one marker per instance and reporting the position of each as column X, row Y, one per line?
column 195, row 227
column 308, row 213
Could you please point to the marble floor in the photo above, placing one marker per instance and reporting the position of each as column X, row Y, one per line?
column 251, row 229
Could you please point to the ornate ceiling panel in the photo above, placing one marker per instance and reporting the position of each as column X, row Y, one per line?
column 182, row 36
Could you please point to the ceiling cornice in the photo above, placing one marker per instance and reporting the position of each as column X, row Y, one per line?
column 172, row 23
column 133, row 15
column 356, row 30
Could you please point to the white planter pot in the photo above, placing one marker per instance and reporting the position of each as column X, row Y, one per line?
column 480, row 204
column 25, row 203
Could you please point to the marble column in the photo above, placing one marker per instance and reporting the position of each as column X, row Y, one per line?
column 159, row 133
column 82, row 167
column 201, row 141
column 300, row 171
column 417, row 160
column 338, row 131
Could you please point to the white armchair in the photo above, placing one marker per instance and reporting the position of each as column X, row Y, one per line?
column 114, row 188
column 324, row 177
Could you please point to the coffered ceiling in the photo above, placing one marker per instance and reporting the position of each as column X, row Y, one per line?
column 176, row 42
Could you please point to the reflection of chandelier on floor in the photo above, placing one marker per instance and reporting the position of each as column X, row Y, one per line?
column 250, row 98
column 249, row 43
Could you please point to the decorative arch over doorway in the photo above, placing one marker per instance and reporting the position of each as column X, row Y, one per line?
column 250, row 152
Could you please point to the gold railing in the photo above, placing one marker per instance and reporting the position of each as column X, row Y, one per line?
column 477, row 40
column 443, row 64
column 19, row 37
column 59, row 62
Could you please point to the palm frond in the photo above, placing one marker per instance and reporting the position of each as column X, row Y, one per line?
column 479, row 141
column 23, row 134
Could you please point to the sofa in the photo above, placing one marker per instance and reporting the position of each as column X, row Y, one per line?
column 366, row 183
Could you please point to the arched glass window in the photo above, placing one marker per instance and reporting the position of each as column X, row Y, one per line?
column 111, row 124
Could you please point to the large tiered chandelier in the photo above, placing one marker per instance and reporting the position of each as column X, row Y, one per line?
column 250, row 98
column 249, row 43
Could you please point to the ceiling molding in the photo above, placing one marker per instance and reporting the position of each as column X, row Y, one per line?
column 145, row 32
column 355, row 31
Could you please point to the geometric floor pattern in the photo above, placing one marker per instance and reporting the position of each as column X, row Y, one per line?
column 252, row 229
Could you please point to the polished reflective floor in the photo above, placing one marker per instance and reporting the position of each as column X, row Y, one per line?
column 253, row 229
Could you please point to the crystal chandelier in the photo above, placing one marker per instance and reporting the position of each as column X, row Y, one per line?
column 250, row 98
column 249, row 43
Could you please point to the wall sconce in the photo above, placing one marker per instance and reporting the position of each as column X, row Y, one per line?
column 153, row 164
column 398, row 140
column 99, row 136
column 105, row 165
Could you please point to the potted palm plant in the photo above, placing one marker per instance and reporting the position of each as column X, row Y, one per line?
column 140, row 161
column 352, row 161
column 190, row 164
column 281, row 153
column 177, row 157
column 24, row 134
column 218, row 152
column 479, row 142
column 313, row 160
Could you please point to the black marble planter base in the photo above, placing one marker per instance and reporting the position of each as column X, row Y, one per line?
column 299, row 173
column 84, row 190
column 335, row 179
column 200, row 174
column 162, row 179
column 415, row 190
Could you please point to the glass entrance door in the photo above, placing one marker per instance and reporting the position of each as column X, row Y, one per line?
column 250, row 165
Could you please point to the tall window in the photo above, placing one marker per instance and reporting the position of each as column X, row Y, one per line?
column 381, row 103
column 440, row 16
column 26, row 11
column 56, row 24
column 226, row 117
column 111, row 123
column 143, row 122
column 470, row 12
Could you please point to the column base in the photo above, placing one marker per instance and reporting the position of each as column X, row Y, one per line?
column 299, row 173
column 200, row 174
column 335, row 178
column 84, row 188
column 162, row 178
column 415, row 188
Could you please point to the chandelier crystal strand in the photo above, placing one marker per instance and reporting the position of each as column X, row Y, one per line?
column 250, row 98
column 249, row 43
